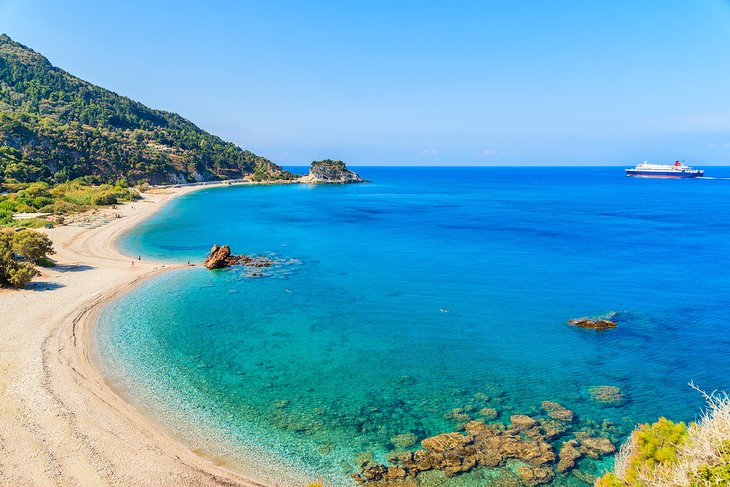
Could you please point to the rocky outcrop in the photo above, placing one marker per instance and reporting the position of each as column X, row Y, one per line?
column 220, row 257
column 330, row 172
column 598, row 323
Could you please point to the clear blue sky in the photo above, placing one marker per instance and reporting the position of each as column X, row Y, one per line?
column 424, row 83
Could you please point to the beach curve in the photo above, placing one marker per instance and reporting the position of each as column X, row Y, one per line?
column 61, row 423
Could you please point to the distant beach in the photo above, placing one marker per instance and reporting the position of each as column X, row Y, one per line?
column 60, row 423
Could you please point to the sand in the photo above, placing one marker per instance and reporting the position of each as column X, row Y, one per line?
column 60, row 422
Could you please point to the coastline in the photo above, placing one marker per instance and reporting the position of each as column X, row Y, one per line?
column 61, row 423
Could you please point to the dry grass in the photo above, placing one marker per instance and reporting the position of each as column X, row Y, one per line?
column 707, row 444
column 707, row 441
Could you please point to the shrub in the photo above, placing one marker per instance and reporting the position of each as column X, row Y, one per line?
column 668, row 454
column 18, row 252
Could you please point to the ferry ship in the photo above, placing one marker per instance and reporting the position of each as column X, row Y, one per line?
column 678, row 170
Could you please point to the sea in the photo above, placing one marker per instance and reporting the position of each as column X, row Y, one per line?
column 398, row 309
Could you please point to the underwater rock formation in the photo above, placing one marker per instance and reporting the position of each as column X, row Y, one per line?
column 556, row 411
column 482, row 445
column 610, row 395
column 524, row 450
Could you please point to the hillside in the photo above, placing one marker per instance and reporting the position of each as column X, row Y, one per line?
column 55, row 127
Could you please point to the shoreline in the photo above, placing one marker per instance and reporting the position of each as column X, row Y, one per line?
column 61, row 422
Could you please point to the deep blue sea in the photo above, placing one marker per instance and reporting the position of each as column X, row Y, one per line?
column 426, row 290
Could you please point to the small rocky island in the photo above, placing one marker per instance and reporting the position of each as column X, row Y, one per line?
column 330, row 172
column 221, row 256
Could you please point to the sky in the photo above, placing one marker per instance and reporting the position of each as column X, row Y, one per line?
column 511, row 82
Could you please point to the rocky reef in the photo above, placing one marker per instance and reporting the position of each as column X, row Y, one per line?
column 608, row 395
column 221, row 256
column 528, row 443
column 597, row 323
column 330, row 172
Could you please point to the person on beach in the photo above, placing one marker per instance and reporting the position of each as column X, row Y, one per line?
column 132, row 263
column 139, row 257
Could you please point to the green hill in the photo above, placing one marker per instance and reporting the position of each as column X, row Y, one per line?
column 55, row 127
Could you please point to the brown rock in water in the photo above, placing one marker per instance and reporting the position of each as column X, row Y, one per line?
column 483, row 444
column 593, row 324
column 553, row 429
column 606, row 394
column 444, row 442
column 489, row 413
column 221, row 257
column 405, row 440
column 556, row 411
column 520, row 421
column 597, row 447
column 535, row 476
column 568, row 455
column 218, row 257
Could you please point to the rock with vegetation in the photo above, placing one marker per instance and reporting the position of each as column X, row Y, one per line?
column 330, row 172
column 20, row 251
column 55, row 127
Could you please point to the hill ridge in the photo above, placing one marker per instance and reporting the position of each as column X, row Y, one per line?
column 56, row 127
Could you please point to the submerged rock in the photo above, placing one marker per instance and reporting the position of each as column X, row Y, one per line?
column 520, row 421
column 556, row 411
column 568, row 455
column 330, row 172
column 597, row 447
column 535, row 476
column 489, row 413
column 483, row 445
column 405, row 440
column 599, row 323
column 610, row 395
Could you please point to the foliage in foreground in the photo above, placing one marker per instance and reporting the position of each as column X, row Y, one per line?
column 668, row 454
column 20, row 251
column 64, row 198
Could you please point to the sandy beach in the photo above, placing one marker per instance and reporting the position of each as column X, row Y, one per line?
column 60, row 423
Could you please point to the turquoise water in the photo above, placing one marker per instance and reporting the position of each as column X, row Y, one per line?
column 399, row 300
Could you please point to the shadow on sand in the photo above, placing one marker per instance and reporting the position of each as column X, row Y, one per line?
column 43, row 286
column 73, row 268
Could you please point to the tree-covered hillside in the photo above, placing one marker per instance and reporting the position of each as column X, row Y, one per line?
column 55, row 127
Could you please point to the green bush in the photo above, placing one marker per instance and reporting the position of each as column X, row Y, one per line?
column 715, row 475
column 654, row 445
column 19, row 251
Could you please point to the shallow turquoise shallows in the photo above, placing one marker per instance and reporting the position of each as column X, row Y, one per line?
column 430, row 289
